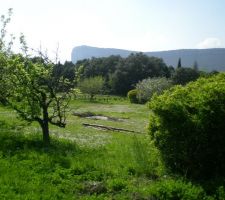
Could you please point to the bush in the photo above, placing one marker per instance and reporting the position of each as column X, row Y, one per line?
column 117, row 184
column 147, row 87
column 187, row 125
column 176, row 189
column 132, row 96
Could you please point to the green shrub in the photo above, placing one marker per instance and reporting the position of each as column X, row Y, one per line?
column 117, row 184
column 147, row 87
column 176, row 189
column 187, row 125
column 132, row 96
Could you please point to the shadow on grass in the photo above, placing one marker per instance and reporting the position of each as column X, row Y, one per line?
column 12, row 142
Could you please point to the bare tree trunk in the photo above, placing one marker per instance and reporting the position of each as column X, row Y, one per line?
column 45, row 127
column 45, row 132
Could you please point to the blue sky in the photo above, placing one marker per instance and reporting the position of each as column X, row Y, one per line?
column 142, row 25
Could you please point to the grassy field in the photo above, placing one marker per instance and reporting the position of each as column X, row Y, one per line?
column 85, row 162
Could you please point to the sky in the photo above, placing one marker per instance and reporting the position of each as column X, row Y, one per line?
column 141, row 25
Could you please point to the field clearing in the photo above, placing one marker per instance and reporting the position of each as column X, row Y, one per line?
column 85, row 162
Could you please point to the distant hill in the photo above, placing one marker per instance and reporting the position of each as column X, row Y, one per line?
column 207, row 59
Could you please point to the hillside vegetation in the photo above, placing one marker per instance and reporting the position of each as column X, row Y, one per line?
column 207, row 59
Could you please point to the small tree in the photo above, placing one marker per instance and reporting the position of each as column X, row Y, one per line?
column 179, row 63
column 147, row 87
column 185, row 75
column 29, row 86
column 34, row 93
column 91, row 86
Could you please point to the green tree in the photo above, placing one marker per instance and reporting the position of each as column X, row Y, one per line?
column 67, row 70
column 179, row 63
column 28, row 86
column 91, row 86
column 34, row 93
column 184, row 75
column 135, row 68
column 121, row 74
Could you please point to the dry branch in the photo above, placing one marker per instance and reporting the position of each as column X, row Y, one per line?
column 109, row 128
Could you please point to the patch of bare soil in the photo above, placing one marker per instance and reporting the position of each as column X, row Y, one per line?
column 90, row 115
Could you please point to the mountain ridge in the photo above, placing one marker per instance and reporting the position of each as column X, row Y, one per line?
column 207, row 59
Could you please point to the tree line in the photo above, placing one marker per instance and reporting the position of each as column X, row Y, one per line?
column 120, row 75
column 39, row 89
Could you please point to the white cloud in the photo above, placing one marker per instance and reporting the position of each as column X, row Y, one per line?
column 210, row 43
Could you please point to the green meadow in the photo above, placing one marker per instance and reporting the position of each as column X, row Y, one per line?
column 85, row 162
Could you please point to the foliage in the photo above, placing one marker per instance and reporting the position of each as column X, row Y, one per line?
column 185, row 75
column 5, row 20
column 68, row 169
column 147, row 87
column 65, row 71
column 29, row 86
column 132, row 96
column 5, row 85
column 179, row 63
column 34, row 92
column 92, row 86
column 134, row 68
column 176, row 189
column 117, row 185
column 121, row 74
column 104, row 67
column 5, row 50
column 187, row 125
column 83, row 163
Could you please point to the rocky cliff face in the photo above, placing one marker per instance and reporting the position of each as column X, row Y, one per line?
column 207, row 59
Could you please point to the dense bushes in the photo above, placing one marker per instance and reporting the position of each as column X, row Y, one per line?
column 187, row 125
column 185, row 75
column 121, row 74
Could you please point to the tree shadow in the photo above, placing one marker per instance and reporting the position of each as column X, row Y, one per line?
column 14, row 141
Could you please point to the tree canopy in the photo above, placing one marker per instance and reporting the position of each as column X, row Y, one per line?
column 184, row 75
column 121, row 74
column 92, row 86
